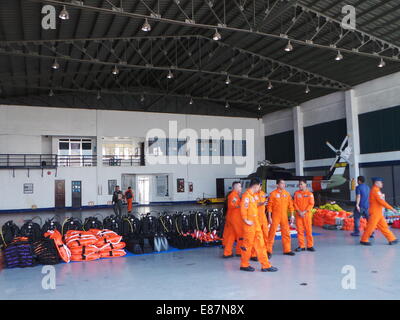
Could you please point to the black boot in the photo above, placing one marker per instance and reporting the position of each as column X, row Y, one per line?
column 299, row 249
column 227, row 257
column 290, row 253
column 365, row 243
column 393, row 242
column 271, row 269
column 249, row 268
column 311, row 249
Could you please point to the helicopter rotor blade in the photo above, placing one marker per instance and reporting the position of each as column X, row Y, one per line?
column 331, row 147
column 344, row 143
column 334, row 163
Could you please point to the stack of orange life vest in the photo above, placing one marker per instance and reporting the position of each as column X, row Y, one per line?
column 94, row 244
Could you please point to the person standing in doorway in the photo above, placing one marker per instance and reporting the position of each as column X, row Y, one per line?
column 117, row 200
column 362, row 205
column 129, row 198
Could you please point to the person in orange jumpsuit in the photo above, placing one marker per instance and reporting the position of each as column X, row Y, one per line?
column 129, row 198
column 279, row 204
column 262, row 197
column 233, row 224
column 376, row 219
column 252, row 233
column 303, row 202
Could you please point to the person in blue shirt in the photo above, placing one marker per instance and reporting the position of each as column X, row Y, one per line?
column 362, row 204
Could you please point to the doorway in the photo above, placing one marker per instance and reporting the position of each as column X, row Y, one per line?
column 59, row 192
column 144, row 190
column 76, row 187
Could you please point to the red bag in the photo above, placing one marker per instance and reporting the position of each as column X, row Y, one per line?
column 396, row 224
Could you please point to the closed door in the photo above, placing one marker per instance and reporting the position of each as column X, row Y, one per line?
column 59, row 188
column 76, row 194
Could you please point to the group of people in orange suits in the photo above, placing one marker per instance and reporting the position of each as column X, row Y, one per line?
column 253, row 218
column 252, row 221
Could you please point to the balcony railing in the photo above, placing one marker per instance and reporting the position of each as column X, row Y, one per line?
column 115, row 161
column 77, row 161
column 43, row 161
column 14, row 161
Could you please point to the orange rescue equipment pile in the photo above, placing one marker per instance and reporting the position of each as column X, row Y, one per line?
column 340, row 219
column 94, row 244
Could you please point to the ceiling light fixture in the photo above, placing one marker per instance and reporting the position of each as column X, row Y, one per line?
column 382, row 63
column 142, row 98
column 191, row 101
column 55, row 65
column 307, row 89
column 146, row 26
column 217, row 36
column 115, row 71
column 98, row 95
column 227, row 81
column 259, row 107
column 227, row 105
column 289, row 47
column 170, row 75
column 64, row 14
column 339, row 56
column 51, row 93
column 270, row 86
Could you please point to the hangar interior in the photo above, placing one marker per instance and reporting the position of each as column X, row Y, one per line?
column 95, row 94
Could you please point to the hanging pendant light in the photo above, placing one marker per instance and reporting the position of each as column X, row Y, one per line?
column 289, row 47
column 227, row 80
column 270, row 86
column 64, row 14
column 217, row 36
column 307, row 89
column 339, row 56
column 170, row 75
column 115, row 71
column 55, row 65
column 146, row 26
column 382, row 63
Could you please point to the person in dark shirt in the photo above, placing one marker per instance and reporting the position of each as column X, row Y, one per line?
column 362, row 205
column 117, row 201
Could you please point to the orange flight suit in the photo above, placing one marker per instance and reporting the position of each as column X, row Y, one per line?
column 252, row 235
column 376, row 218
column 233, row 225
column 279, row 204
column 262, row 197
column 129, row 201
column 304, row 201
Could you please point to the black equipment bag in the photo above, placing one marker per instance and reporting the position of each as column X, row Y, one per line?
column 92, row 223
column 31, row 230
column 215, row 222
column 71, row 224
column 182, row 223
column 113, row 223
column 19, row 254
column 148, row 226
column 134, row 244
column 130, row 225
column 45, row 252
column 51, row 224
column 9, row 231
column 198, row 221
column 166, row 224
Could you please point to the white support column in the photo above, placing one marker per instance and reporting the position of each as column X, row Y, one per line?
column 354, row 136
column 298, row 140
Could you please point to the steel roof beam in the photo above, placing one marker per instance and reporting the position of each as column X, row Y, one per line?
column 121, row 12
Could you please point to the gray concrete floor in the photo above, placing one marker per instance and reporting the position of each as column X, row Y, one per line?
column 202, row 274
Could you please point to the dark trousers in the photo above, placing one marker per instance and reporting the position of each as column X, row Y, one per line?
column 357, row 216
column 118, row 208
